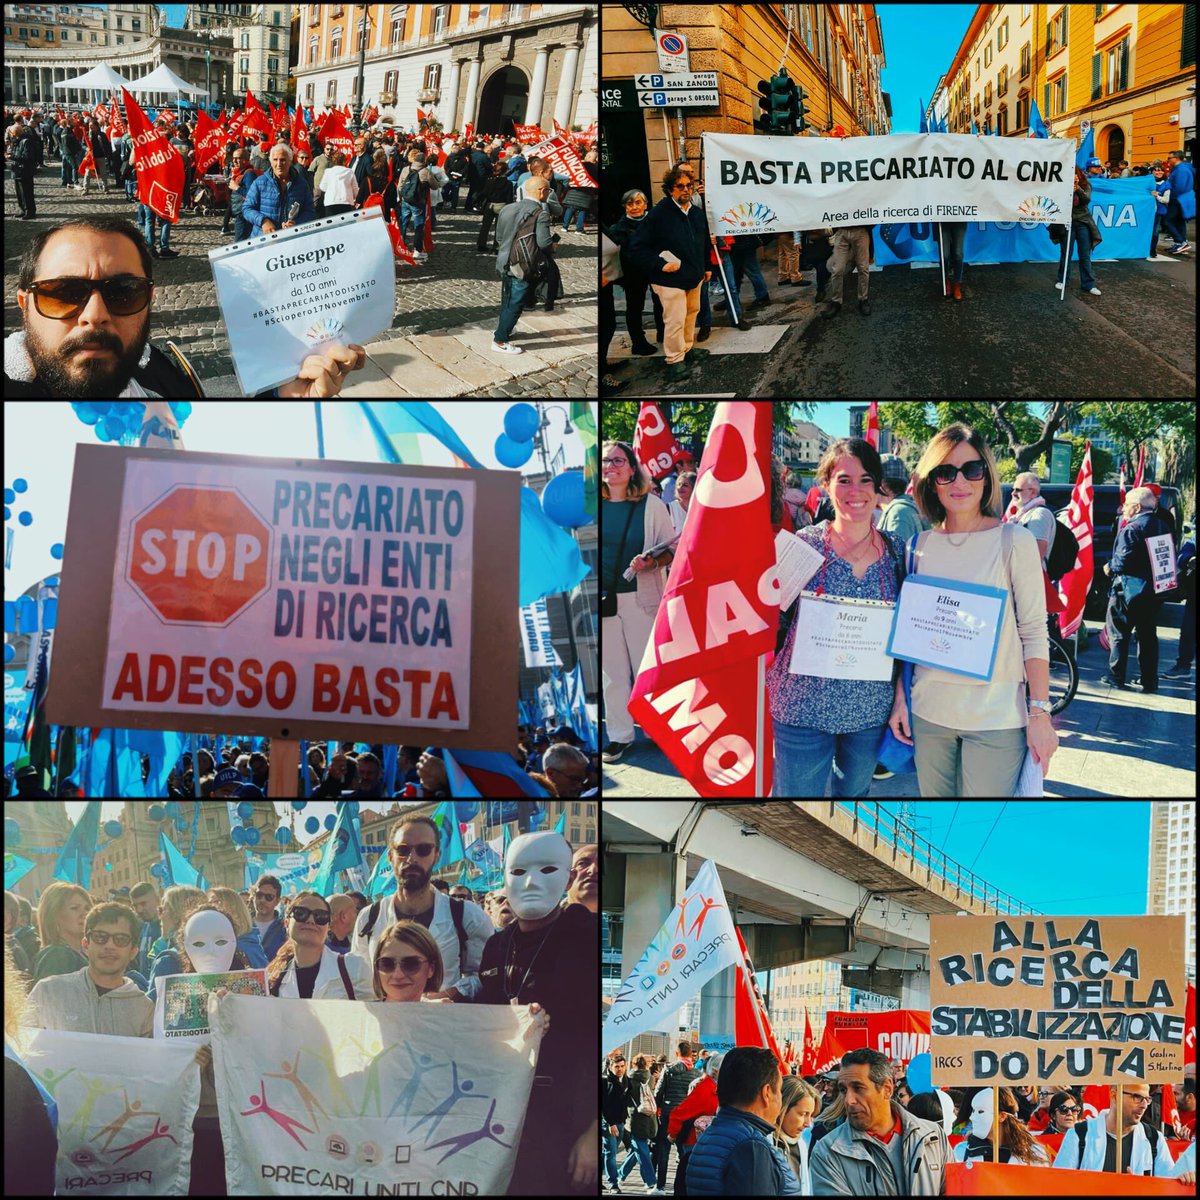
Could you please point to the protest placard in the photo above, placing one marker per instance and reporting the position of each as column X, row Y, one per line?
column 900, row 1033
column 1069, row 1000
column 286, row 295
column 772, row 184
column 371, row 1099
column 561, row 155
column 125, row 1111
column 181, row 1001
column 282, row 597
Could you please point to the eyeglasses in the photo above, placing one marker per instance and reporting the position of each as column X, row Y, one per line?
column 1140, row 1099
column 99, row 938
column 410, row 965
column 65, row 298
column 319, row 915
column 686, row 186
column 945, row 475
column 1068, row 1108
column 422, row 849
column 612, row 462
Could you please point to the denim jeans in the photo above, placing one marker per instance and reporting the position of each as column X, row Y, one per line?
column 512, row 297
column 744, row 259
column 417, row 216
column 567, row 218
column 450, row 195
column 640, row 1158
column 150, row 222
column 954, row 234
column 803, row 758
column 1083, row 248
column 611, row 1146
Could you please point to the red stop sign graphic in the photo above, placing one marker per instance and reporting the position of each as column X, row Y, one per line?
column 199, row 555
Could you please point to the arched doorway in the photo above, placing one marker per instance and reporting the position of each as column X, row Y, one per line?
column 1113, row 141
column 504, row 100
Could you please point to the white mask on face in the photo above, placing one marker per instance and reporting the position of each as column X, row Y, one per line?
column 210, row 942
column 981, row 1114
column 535, row 873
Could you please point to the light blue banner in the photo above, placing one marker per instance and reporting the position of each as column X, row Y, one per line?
column 1123, row 210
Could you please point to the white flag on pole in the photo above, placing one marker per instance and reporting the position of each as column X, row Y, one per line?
column 695, row 942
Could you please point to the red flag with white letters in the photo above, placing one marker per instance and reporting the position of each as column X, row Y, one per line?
column 160, row 169
column 808, row 1064
column 211, row 139
column 873, row 424
column 654, row 444
column 700, row 692
column 1073, row 587
column 300, row 132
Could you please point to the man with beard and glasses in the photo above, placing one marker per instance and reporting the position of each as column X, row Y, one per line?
column 460, row 930
column 86, row 294
column 583, row 884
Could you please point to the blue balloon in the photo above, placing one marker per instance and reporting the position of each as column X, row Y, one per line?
column 521, row 422
column 155, row 812
column 239, row 835
column 114, row 426
column 7, row 513
column 330, row 821
column 102, row 432
column 9, row 495
column 52, row 581
column 26, row 518
column 253, row 837
column 563, row 500
column 112, row 828
column 283, row 835
column 9, row 653
column 512, row 454
column 299, row 805
column 19, row 485
column 918, row 1074
column 182, row 410
column 180, row 824
column 158, row 870
column 312, row 825
column 56, row 551
column 245, row 810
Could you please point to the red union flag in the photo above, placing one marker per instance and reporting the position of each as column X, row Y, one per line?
column 1074, row 586
column 334, row 133
column 210, row 140
column 160, row 169
column 1189, row 1026
column 873, row 424
column 300, row 133
column 700, row 691
column 654, row 444
column 563, row 158
column 808, row 1064
column 751, row 1025
column 528, row 133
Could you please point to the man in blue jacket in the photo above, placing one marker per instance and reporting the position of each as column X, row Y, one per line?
column 671, row 248
column 735, row 1155
column 1182, row 204
column 271, row 196
column 267, row 921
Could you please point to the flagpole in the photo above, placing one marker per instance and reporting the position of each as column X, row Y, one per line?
column 942, row 260
column 729, row 297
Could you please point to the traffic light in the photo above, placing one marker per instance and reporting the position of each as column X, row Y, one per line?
column 773, row 100
column 796, row 116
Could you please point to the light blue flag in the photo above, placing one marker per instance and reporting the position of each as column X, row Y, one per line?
column 924, row 122
column 1087, row 149
column 74, row 863
column 1037, row 127
column 390, row 417
column 16, row 867
column 343, row 850
column 382, row 881
column 550, row 559
column 447, row 820
column 391, row 764
column 163, row 750
column 460, row 785
column 973, row 129
column 560, row 826
column 179, row 870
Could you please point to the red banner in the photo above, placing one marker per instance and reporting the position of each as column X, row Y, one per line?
column 160, row 169
column 1074, row 585
column 211, row 139
column 559, row 131
column 698, row 692
column 528, row 133
column 253, row 117
column 654, row 444
column 901, row 1033
column 300, row 132
column 1189, row 1026
column 751, row 1026
column 1010, row 1179
column 564, row 159
column 808, row 1064
column 334, row 133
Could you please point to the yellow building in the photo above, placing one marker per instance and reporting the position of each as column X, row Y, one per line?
column 1128, row 68
column 834, row 52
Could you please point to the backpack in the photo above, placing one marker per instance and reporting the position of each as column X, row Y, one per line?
column 646, row 1104
column 1065, row 550
column 23, row 155
column 527, row 260
column 413, row 191
column 456, row 911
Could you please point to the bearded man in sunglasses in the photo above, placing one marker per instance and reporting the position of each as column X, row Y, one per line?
column 85, row 291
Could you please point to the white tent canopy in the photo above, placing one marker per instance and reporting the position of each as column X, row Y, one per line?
column 163, row 79
column 102, row 79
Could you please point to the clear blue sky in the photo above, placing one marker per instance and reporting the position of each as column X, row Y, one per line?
column 919, row 42
column 1061, row 857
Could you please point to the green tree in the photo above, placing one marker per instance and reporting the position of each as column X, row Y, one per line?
column 618, row 418
column 1134, row 422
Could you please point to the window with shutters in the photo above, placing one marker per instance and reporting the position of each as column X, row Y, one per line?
column 1058, row 95
column 1025, row 56
column 1117, row 67
column 987, row 96
column 1097, row 72
column 987, row 54
column 1002, row 81
column 1002, row 35
column 1056, row 32
column 1188, row 53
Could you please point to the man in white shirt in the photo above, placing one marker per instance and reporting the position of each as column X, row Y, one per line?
column 1034, row 513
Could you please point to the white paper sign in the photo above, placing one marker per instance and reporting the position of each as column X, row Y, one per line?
column 285, row 296
column 948, row 624
column 1162, row 561
column 840, row 638
column 796, row 562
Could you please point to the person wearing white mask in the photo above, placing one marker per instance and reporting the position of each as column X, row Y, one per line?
column 547, row 955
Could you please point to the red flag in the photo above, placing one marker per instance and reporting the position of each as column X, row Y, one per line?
column 528, row 133
column 1189, row 1026
column 469, row 131
column 808, row 1064
column 334, row 133
column 700, row 692
column 421, row 117
column 559, row 131
column 319, row 121
column 565, row 160
column 300, row 140
column 1074, row 586
column 60, row 112
column 751, row 1025
column 100, row 113
column 211, row 139
column 654, row 444
column 400, row 250
column 1095, row 1100
column 873, row 424
column 1169, row 1109
column 253, row 116
column 167, row 115
column 371, row 115
column 89, row 161
column 1137, row 483
column 813, row 501
column 160, row 169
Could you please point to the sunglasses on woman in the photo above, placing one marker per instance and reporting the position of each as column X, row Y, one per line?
column 410, row 965
column 319, row 915
column 64, row 299
column 945, row 475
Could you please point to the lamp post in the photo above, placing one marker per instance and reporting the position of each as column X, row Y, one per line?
column 362, row 62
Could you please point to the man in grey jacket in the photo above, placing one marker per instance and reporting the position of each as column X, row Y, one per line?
column 880, row 1149
column 98, row 998
column 517, row 287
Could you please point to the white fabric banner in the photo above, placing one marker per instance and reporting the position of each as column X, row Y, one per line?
column 371, row 1098
column 776, row 184
column 535, row 631
column 285, row 296
column 695, row 942
column 125, row 1111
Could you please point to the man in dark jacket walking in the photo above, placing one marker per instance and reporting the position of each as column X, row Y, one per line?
column 673, row 1086
column 671, row 248
column 617, row 1098
column 26, row 158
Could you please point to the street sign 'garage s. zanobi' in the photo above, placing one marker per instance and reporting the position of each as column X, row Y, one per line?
column 288, row 598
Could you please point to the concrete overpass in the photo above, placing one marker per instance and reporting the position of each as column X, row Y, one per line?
column 805, row 879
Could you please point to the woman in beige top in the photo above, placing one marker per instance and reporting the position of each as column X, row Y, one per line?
column 972, row 735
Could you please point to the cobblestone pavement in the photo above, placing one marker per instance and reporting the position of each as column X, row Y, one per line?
column 439, row 341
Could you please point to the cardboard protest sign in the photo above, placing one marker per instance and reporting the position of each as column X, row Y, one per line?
column 1067, row 1000
column 371, row 1098
column 181, row 1001
column 286, row 295
column 288, row 598
column 767, row 184
column 900, row 1033
column 125, row 1111
column 1014, row 1179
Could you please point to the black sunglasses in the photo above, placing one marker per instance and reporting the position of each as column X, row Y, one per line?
column 319, row 915
column 946, row 474
column 423, row 849
column 64, row 299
